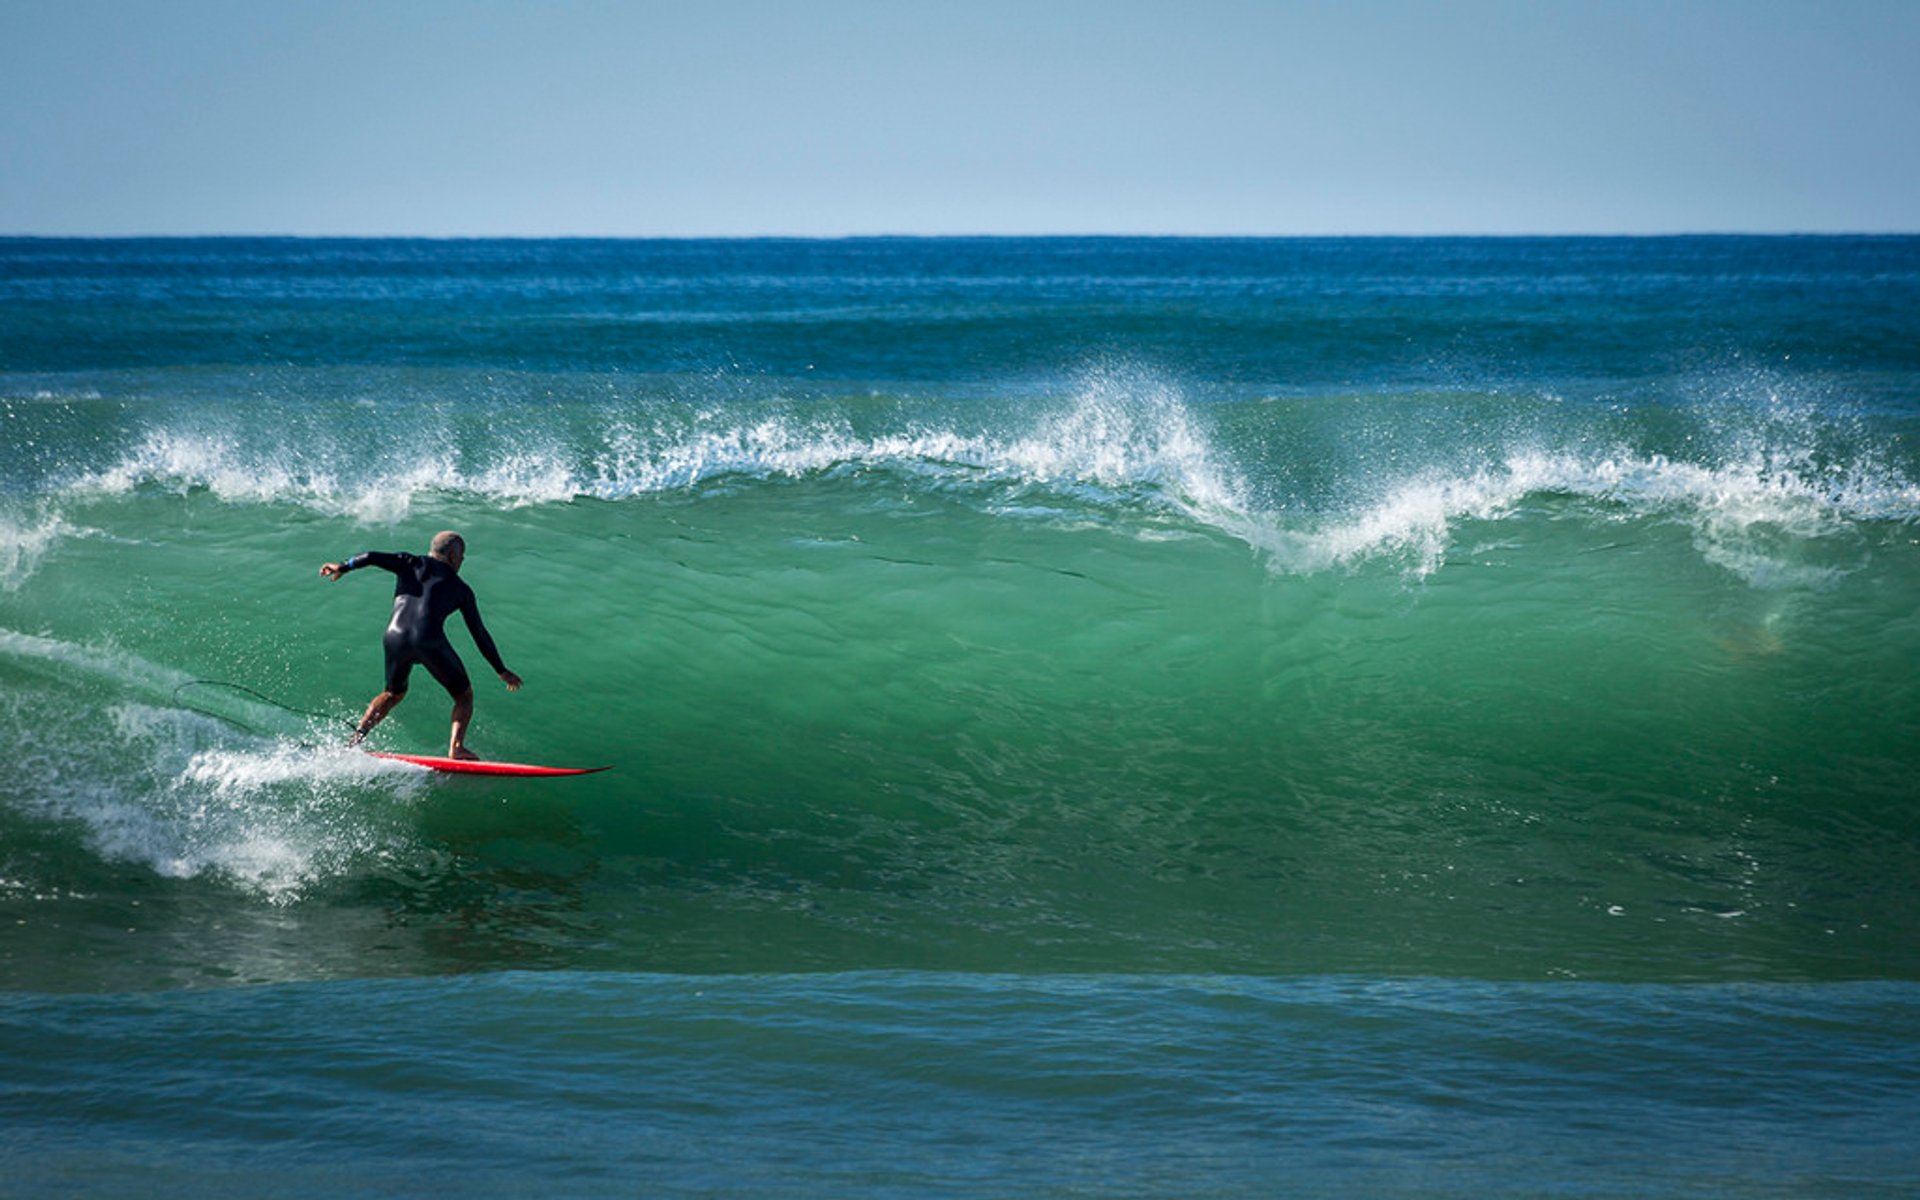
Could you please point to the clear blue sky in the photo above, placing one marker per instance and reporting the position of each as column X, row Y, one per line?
column 830, row 117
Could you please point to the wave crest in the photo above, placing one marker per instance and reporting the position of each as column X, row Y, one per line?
column 1742, row 513
column 1752, row 483
column 1116, row 435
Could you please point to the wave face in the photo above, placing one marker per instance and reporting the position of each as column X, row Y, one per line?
column 1525, row 609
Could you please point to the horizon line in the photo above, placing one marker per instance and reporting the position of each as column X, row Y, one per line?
column 1057, row 236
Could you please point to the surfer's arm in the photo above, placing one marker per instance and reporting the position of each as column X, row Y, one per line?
column 484, row 640
column 366, row 558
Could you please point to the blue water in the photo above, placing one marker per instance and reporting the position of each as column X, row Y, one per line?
column 1376, row 717
column 902, row 1084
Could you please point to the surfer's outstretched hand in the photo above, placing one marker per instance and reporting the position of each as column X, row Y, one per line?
column 512, row 681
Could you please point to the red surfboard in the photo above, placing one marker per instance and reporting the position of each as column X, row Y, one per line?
column 467, row 766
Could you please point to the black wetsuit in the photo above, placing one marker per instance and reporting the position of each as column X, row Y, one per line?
column 425, row 593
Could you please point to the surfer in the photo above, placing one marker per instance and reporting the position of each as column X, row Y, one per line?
column 426, row 592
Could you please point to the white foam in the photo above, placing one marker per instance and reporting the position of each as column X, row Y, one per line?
column 230, row 772
column 24, row 542
column 270, row 817
column 1126, row 433
column 1748, row 516
column 183, row 794
column 1122, row 432
column 222, row 465
column 185, row 460
column 1758, row 491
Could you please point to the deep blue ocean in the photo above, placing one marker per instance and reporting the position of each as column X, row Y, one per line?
column 1088, row 717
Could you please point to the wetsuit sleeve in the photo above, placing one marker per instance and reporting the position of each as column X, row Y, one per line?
column 470, row 609
column 374, row 558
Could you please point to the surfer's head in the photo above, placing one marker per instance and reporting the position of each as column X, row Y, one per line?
column 449, row 547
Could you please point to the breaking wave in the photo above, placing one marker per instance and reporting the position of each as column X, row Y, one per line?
column 1123, row 445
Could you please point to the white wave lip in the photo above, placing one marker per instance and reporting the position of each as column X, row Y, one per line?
column 1743, row 513
column 236, row 473
column 1122, row 435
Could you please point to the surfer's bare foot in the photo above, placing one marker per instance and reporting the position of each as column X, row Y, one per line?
column 462, row 754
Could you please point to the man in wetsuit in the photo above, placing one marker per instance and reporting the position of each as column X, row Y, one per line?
column 426, row 592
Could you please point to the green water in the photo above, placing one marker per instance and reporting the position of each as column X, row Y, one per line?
column 853, row 725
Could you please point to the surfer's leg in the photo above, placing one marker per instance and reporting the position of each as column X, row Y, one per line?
column 376, row 712
column 462, row 714
column 444, row 665
column 399, row 666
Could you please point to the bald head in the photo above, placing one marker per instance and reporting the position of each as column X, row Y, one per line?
column 449, row 547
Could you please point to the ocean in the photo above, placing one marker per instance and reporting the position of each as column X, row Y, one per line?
column 1089, row 717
